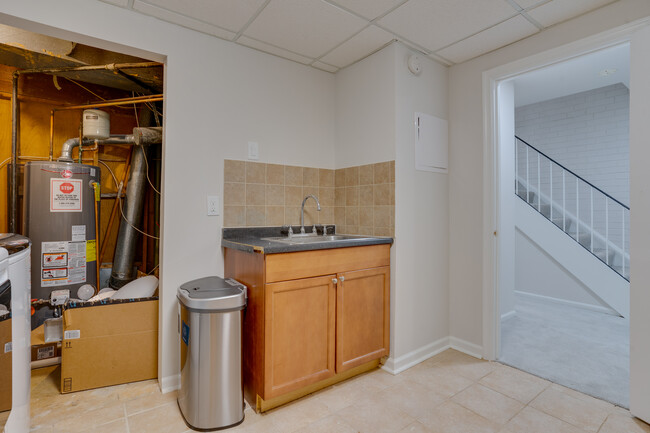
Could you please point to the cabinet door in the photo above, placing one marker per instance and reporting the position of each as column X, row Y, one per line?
column 363, row 314
column 299, row 334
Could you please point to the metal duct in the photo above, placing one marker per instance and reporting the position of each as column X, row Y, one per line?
column 123, row 258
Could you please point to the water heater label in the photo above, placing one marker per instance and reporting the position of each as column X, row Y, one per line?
column 63, row 263
column 65, row 195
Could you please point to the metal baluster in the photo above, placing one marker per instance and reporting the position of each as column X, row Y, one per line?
column 550, row 182
column 516, row 166
column 606, row 232
column 527, row 178
column 564, row 200
column 539, row 186
column 577, row 211
column 591, row 219
column 623, row 238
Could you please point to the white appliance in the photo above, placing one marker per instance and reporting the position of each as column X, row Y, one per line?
column 15, row 253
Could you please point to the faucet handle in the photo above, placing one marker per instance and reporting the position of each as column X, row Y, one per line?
column 324, row 230
column 290, row 231
column 313, row 229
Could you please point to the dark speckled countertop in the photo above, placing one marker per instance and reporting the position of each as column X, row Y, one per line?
column 249, row 239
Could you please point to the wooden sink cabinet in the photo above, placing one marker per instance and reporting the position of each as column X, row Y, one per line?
column 313, row 318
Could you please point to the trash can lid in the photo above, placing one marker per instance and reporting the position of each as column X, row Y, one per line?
column 213, row 294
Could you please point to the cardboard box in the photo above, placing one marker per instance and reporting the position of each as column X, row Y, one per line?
column 109, row 344
column 5, row 364
column 42, row 350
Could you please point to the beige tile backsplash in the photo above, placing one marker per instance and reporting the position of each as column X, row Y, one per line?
column 359, row 200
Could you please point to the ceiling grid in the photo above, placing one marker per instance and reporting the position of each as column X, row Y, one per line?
column 333, row 34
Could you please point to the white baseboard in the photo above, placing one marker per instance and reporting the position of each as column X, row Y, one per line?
column 591, row 307
column 466, row 347
column 404, row 362
column 508, row 315
column 169, row 383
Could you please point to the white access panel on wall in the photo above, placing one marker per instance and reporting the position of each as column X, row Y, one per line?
column 431, row 140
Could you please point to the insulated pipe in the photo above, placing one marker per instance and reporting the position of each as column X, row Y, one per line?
column 124, row 255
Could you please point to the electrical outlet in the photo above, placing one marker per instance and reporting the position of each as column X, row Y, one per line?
column 213, row 205
column 253, row 150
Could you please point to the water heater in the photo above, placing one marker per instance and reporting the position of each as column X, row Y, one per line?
column 59, row 218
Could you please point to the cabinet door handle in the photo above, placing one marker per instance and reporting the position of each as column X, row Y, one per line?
column 334, row 281
column 342, row 278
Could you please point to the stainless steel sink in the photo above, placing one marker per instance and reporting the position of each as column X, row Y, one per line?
column 311, row 239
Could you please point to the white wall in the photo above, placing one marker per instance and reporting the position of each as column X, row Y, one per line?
column 466, row 158
column 538, row 273
column 421, row 216
column 376, row 102
column 218, row 96
column 587, row 132
column 365, row 111
column 640, row 202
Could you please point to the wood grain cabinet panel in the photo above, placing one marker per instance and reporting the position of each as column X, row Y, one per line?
column 299, row 333
column 362, row 317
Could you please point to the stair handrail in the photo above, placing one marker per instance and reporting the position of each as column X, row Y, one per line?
column 572, row 172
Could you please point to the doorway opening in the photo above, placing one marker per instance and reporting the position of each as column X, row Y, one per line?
column 564, row 208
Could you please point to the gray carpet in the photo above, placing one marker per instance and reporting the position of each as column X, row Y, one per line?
column 580, row 349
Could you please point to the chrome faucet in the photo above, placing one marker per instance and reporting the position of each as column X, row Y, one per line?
column 302, row 211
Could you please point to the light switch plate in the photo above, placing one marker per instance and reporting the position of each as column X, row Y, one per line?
column 213, row 205
column 253, row 150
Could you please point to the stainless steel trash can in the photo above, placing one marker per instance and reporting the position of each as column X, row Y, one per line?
column 210, row 321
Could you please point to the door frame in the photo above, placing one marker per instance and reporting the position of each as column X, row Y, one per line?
column 493, row 180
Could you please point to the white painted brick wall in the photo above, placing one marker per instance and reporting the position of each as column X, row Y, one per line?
column 587, row 132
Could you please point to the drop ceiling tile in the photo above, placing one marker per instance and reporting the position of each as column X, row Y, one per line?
column 228, row 14
column 243, row 40
column 307, row 27
column 123, row 3
column 325, row 67
column 557, row 11
column 525, row 4
column 503, row 34
column 369, row 9
column 437, row 23
column 359, row 46
column 181, row 20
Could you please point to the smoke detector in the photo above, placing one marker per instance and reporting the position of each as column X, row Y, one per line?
column 414, row 64
column 607, row 72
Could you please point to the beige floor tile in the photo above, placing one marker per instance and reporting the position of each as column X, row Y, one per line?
column 531, row 420
column 163, row 419
column 601, row 404
column 488, row 403
column 118, row 426
column 467, row 366
column 375, row 418
column 82, row 422
column 514, row 383
column 329, row 424
column 138, row 389
column 380, row 379
column 151, row 401
column 298, row 414
column 618, row 423
column 585, row 415
column 416, row 427
column 446, row 383
column 345, row 394
column 411, row 398
column 451, row 417
column 263, row 425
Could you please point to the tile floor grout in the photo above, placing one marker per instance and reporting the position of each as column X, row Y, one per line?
column 448, row 393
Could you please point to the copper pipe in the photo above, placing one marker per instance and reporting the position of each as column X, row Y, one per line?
column 127, row 167
column 111, row 103
column 107, row 67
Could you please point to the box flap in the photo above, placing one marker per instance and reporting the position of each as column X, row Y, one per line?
column 112, row 319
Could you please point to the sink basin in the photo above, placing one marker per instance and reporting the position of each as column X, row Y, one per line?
column 311, row 239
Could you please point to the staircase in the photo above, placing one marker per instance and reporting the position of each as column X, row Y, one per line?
column 593, row 218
